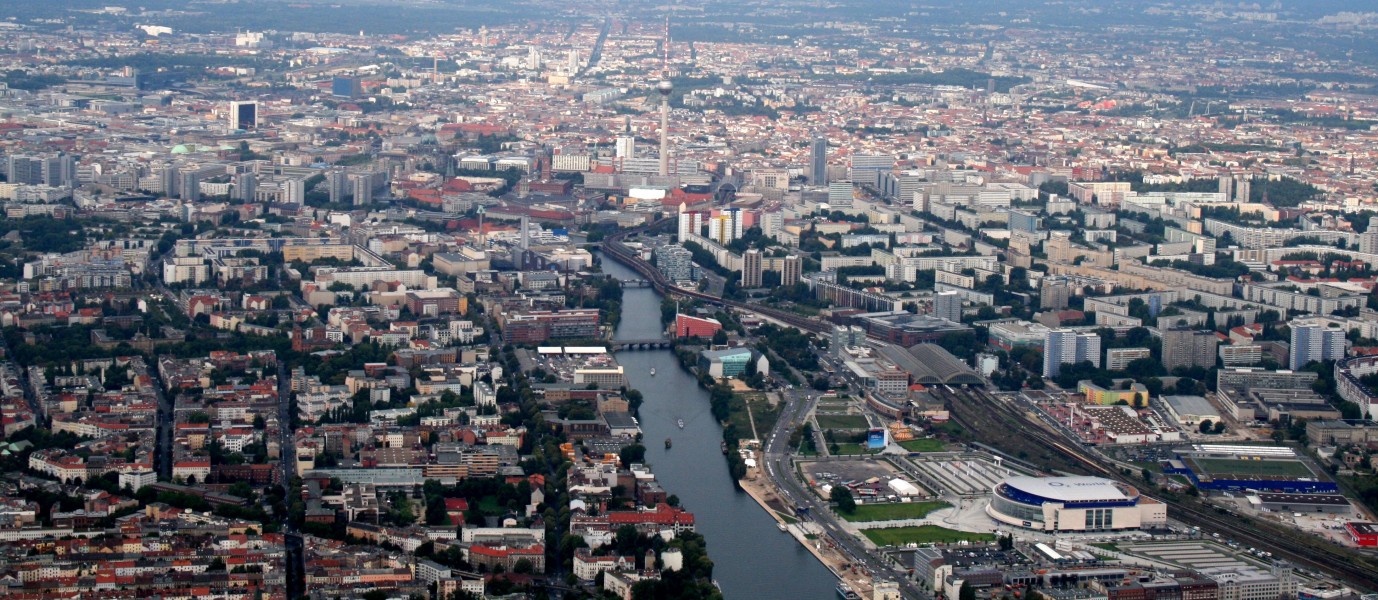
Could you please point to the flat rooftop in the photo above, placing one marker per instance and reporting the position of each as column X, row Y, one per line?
column 1316, row 499
column 1072, row 489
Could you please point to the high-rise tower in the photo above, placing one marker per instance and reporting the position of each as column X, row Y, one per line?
column 818, row 157
column 665, row 87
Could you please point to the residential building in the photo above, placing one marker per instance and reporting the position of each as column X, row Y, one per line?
column 791, row 270
column 948, row 305
column 1066, row 346
column 751, row 268
column 1116, row 359
column 1315, row 342
column 1189, row 348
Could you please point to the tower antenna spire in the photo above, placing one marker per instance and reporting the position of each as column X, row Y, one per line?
column 665, row 87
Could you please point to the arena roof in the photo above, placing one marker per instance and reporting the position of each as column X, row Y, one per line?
column 1069, row 489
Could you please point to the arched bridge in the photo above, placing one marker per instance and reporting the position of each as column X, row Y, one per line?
column 619, row 345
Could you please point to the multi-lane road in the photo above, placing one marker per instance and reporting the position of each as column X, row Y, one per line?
column 779, row 467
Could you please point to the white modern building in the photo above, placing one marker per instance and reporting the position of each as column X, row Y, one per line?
column 1073, row 504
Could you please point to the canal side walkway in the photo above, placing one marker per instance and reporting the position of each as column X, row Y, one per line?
column 758, row 486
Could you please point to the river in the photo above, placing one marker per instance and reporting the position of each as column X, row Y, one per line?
column 752, row 557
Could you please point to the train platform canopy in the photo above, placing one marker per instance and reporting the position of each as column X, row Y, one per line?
column 930, row 364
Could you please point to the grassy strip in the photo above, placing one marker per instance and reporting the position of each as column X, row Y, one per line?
column 895, row 511
column 925, row 534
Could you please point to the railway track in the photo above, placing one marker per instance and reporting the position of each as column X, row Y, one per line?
column 613, row 246
column 1304, row 550
column 1300, row 549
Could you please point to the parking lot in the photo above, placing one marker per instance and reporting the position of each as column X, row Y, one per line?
column 1199, row 554
column 836, row 472
column 963, row 477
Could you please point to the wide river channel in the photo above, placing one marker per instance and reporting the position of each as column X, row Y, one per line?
column 752, row 557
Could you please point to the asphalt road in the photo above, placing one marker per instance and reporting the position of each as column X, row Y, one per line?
column 780, row 468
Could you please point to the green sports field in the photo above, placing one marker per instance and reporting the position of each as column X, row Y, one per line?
column 926, row 534
column 894, row 511
column 1224, row 468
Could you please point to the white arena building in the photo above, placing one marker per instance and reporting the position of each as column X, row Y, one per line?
column 1073, row 504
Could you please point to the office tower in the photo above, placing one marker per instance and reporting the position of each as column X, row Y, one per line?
column 1065, row 347
column 1224, row 185
column 59, row 170
column 844, row 336
column 751, row 269
column 347, row 87
column 818, row 158
column 1054, row 293
column 533, row 58
column 294, row 191
column 1315, row 342
column 868, row 168
column 245, row 187
column 243, row 115
column 1189, row 348
column 572, row 62
column 25, row 169
column 791, row 271
column 948, row 305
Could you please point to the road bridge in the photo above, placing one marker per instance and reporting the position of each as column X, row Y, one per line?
column 620, row 345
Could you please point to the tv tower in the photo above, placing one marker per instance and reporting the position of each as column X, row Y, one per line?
column 665, row 87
